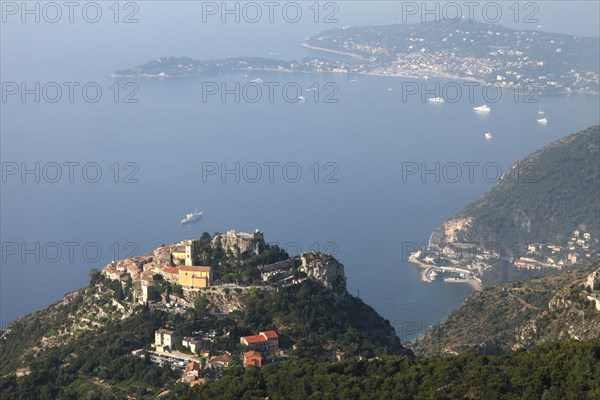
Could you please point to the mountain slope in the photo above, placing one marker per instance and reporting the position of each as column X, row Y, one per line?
column 543, row 216
column 83, row 344
column 544, row 197
column 565, row 370
column 517, row 315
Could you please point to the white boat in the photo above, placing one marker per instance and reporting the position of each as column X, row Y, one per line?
column 301, row 99
column 257, row 80
column 191, row 217
column 484, row 108
column 436, row 100
column 542, row 121
column 488, row 135
column 352, row 81
column 311, row 89
column 389, row 89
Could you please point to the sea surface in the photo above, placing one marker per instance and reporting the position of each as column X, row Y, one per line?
column 353, row 198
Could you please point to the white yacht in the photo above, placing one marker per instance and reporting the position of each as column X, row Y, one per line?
column 436, row 100
column 301, row 99
column 257, row 80
column 488, row 135
column 484, row 108
column 191, row 217
column 542, row 121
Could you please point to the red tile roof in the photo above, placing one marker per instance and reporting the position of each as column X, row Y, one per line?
column 270, row 334
column 192, row 366
column 224, row 358
column 253, row 339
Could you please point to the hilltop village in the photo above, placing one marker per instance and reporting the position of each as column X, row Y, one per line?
column 174, row 279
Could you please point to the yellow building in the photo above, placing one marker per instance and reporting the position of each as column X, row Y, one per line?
column 195, row 277
column 183, row 251
column 178, row 252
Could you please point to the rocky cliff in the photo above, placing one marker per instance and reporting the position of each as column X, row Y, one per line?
column 240, row 243
column 324, row 269
column 518, row 315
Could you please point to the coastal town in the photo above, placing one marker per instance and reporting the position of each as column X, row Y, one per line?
column 467, row 262
column 466, row 50
column 528, row 62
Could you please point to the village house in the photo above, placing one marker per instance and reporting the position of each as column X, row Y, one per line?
column 164, row 340
column 147, row 291
column 191, row 343
column 554, row 249
column 524, row 262
column 252, row 358
column 191, row 372
column 182, row 253
column 263, row 342
column 178, row 253
column 171, row 274
column 222, row 361
column 195, row 346
column 572, row 258
column 113, row 274
column 341, row 356
column 23, row 372
column 533, row 247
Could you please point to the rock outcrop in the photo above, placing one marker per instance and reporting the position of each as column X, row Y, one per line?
column 238, row 243
column 450, row 231
column 323, row 268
